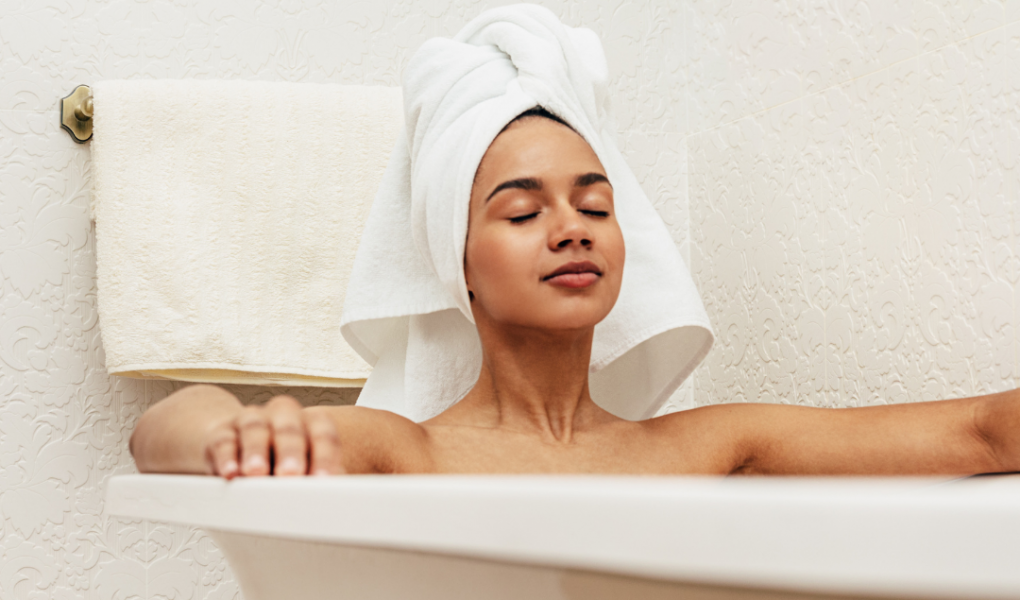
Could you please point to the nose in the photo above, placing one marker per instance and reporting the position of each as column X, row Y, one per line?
column 567, row 228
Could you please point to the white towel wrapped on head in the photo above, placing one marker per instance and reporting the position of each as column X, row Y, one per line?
column 407, row 310
column 228, row 216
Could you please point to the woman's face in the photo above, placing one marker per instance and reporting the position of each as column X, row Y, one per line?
column 544, row 248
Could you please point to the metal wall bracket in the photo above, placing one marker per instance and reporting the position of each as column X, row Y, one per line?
column 76, row 114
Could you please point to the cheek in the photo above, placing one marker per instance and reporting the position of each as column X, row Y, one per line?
column 498, row 262
column 614, row 251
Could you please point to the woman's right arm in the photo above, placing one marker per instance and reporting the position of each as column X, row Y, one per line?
column 205, row 430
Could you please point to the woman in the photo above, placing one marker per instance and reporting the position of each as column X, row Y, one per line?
column 490, row 295
column 543, row 264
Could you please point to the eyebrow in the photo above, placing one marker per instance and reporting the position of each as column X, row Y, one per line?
column 591, row 179
column 524, row 183
column 532, row 183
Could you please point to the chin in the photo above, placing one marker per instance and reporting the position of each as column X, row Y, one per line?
column 549, row 311
column 571, row 318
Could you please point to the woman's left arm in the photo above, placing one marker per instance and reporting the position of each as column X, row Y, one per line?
column 998, row 424
column 948, row 437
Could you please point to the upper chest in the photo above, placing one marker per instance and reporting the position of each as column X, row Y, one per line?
column 627, row 449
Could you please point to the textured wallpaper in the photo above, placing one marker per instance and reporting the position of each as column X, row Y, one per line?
column 853, row 186
column 841, row 175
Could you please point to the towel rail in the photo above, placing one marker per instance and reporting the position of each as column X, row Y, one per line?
column 76, row 114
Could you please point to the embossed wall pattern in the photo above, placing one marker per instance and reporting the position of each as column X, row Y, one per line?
column 853, row 187
column 842, row 176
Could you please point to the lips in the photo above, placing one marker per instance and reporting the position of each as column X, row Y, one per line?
column 576, row 274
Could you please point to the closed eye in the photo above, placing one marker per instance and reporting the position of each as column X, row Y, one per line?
column 595, row 213
column 523, row 218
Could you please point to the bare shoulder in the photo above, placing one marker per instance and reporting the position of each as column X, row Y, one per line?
column 378, row 441
column 918, row 438
column 721, row 438
column 718, row 420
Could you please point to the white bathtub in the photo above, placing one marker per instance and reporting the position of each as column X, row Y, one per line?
column 592, row 538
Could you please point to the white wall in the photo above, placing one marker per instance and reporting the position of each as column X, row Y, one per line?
column 853, row 189
column 851, row 169
column 64, row 423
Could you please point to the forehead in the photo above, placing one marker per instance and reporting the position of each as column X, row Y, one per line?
column 535, row 147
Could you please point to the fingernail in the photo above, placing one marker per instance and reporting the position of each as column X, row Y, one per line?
column 290, row 465
column 256, row 461
column 229, row 468
column 320, row 472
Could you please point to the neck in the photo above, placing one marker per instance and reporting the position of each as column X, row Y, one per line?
column 534, row 381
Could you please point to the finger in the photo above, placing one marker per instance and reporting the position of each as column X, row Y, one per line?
column 221, row 451
column 253, row 428
column 288, row 436
column 283, row 401
column 325, row 452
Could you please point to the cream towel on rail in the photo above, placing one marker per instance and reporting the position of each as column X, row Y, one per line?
column 228, row 215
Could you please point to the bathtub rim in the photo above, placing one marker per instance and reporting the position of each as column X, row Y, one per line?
column 841, row 536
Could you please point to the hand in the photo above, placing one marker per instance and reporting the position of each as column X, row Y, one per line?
column 277, row 438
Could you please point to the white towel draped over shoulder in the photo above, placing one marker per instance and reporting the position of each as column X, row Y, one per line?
column 407, row 311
